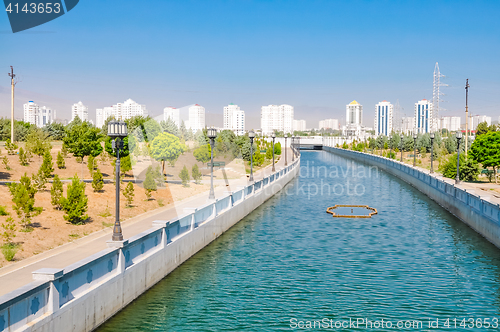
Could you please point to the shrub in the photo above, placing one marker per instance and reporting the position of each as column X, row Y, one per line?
column 23, row 160
column 150, row 183
column 64, row 151
column 5, row 162
column 195, row 172
column 9, row 250
column 258, row 158
column 39, row 180
column 97, row 181
column 91, row 164
column 277, row 149
column 9, row 230
column 23, row 197
column 47, row 167
column 184, row 175
column 60, row 161
column 56, row 192
column 10, row 147
column 76, row 203
column 3, row 212
column 129, row 193
column 469, row 169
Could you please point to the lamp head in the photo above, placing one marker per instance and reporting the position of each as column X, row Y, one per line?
column 432, row 135
column 251, row 134
column 286, row 135
column 211, row 133
column 415, row 136
column 459, row 134
column 273, row 135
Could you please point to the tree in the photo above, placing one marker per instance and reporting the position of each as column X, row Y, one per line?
column 166, row 147
column 83, row 140
column 47, row 167
column 450, row 144
column 97, row 180
column 184, row 175
column 469, row 169
column 60, row 161
column 9, row 230
column 23, row 196
column 129, row 193
column 169, row 126
column 38, row 142
column 482, row 128
column 76, row 203
column 202, row 154
column 5, row 162
column 55, row 130
column 10, row 147
column 196, row 174
column 153, row 129
column 64, row 151
column 183, row 133
column 258, row 158
column 486, row 150
column 277, row 149
column 56, row 192
column 91, row 164
column 149, row 183
column 22, row 157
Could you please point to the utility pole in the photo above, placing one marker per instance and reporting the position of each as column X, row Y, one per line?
column 467, row 86
column 11, row 74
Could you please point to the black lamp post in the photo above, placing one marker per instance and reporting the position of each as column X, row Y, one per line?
column 118, row 131
column 251, row 135
column 286, row 163
column 401, row 147
column 459, row 137
column 432, row 151
column 414, row 149
column 273, row 135
column 291, row 145
column 211, row 133
column 298, row 150
column 390, row 147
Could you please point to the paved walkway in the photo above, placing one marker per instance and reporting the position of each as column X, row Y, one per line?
column 19, row 274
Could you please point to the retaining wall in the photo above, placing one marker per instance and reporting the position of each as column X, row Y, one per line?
column 82, row 296
column 474, row 210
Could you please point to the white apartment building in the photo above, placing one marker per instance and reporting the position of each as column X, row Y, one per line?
column 299, row 125
column 196, row 118
column 120, row 111
column 408, row 125
column 234, row 119
column 477, row 119
column 451, row 123
column 383, row 118
column 79, row 110
column 329, row 124
column 38, row 116
column 172, row 113
column 354, row 113
column 274, row 117
column 423, row 116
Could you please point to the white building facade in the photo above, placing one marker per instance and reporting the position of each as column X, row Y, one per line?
column 408, row 125
column 196, row 118
column 477, row 119
column 383, row 118
column 299, row 125
column 38, row 116
column 172, row 113
column 276, row 117
column 329, row 124
column 424, row 122
column 354, row 119
column 234, row 119
column 79, row 110
column 120, row 111
column 451, row 123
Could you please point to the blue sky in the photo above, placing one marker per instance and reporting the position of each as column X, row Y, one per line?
column 315, row 55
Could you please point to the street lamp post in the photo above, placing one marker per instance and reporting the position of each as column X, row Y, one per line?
column 211, row 133
column 432, row 151
column 401, row 147
column 251, row 135
column 390, row 147
column 273, row 135
column 414, row 149
column 293, row 148
column 298, row 150
column 118, row 131
column 459, row 137
column 286, row 163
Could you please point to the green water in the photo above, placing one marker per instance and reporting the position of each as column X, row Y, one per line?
column 290, row 261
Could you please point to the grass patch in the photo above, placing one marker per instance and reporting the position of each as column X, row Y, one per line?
column 160, row 202
column 74, row 235
column 27, row 229
column 105, row 214
column 107, row 224
column 3, row 212
column 9, row 250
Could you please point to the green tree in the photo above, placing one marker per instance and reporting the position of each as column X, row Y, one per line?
column 469, row 169
column 76, row 203
column 482, row 128
column 450, row 144
column 60, row 161
column 196, row 174
column 9, row 230
column 184, row 175
column 150, row 182
column 38, row 142
column 56, row 192
column 10, row 147
column 258, row 158
column 82, row 139
column 23, row 160
column 91, row 164
column 47, row 167
column 23, row 197
column 5, row 162
column 56, row 131
column 183, row 132
column 169, row 126
column 97, row 180
column 129, row 193
column 486, row 150
column 166, row 147
column 277, row 149
column 64, row 151
column 202, row 154
column 153, row 129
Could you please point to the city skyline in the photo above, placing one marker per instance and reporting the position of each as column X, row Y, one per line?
column 316, row 83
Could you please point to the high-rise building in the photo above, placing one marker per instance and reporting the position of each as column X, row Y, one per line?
column 451, row 123
column 424, row 121
column 383, row 118
column 196, row 118
column 354, row 113
column 408, row 125
column 120, row 111
column 477, row 119
column 274, row 117
column 38, row 116
column 299, row 125
column 234, row 119
column 79, row 110
column 329, row 124
column 172, row 113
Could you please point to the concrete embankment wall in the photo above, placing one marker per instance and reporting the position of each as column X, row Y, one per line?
column 82, row 296
column 467, row 205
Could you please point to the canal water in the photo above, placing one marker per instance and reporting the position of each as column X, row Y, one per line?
column 289, row 264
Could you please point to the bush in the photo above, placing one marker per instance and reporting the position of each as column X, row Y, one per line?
column 76, row 203
column 184, row 175
column 5, row 162
column 258, row 158
column 60, row 161
column 91, row 164
column 196, row 174
column 129, row 193
column 23, row 159
column 23, row 197
column 9, row 250
column 3, row 212
column 469, row 169
column 150, row 183
column 47, row 167
column 56, row 192
column 9, row 230
column 97, row 181
column 202, row 154
column 10, row 147
column 64, row 151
